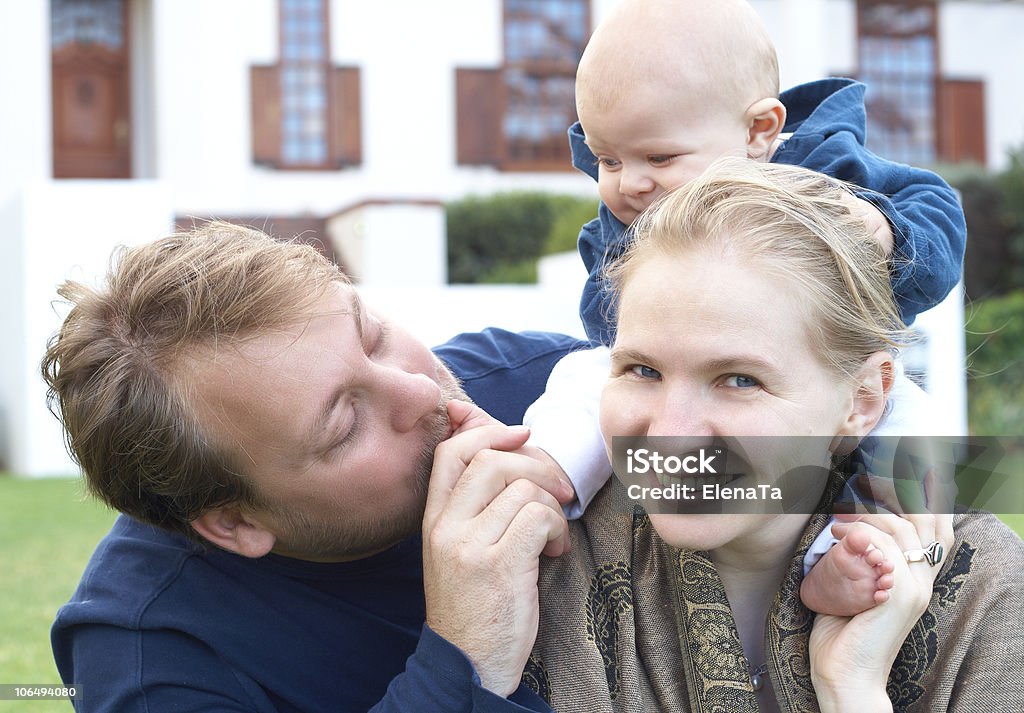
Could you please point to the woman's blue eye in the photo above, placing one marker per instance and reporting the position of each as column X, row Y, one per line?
column 742, row 382
column 645, row 372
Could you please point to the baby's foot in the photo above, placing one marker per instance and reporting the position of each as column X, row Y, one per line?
column 850, row 578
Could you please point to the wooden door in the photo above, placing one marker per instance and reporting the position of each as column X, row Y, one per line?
column 91, row 89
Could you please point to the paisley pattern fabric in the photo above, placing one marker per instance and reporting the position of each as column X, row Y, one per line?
column 631, row 624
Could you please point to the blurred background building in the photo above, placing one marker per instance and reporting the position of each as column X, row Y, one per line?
column 352, row 122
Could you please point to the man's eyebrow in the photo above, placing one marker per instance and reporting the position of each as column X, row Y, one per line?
column 323, row 414
column 357, row 310
column 322, row 420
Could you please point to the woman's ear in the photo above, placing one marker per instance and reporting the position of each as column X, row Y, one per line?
column 765, row 119
column 872, row 385
column 231, row 529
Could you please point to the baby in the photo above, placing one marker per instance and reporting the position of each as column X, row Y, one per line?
column 664, row 88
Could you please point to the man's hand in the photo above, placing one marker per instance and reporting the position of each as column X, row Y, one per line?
column 490, row 514
column 877, row 223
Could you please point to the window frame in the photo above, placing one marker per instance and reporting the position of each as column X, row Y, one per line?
column 933, row 79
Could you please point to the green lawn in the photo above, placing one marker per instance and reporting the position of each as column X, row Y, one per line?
column 47, row 532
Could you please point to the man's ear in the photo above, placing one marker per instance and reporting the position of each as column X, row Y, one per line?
column 231, row 529
column 765, row 119
column 872, row 386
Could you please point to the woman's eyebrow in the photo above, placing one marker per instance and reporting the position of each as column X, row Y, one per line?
column 741, row 361
column 628, row 354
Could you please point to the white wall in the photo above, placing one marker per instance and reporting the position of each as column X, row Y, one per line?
column 983, row 41
column 44, row 248
column 193, row 136
column 393, row 245
column 407, row 54
column 25, row 139
column 943, row 355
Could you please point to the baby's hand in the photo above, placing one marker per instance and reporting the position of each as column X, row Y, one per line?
column 568, row 494
column 850, row 578
column 878, row 224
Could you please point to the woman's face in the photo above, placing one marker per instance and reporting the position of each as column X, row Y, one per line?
column 709, row 348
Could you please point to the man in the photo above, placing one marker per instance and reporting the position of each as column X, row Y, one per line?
column 269, row 440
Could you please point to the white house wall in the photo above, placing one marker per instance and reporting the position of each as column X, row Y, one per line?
column 977, row 40
column 73, row 241
column 981, row 40
column 192, row 146
column 407, row 54
column 25, row 153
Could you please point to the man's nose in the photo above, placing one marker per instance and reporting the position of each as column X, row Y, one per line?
column 634, row 182
column 412, row 397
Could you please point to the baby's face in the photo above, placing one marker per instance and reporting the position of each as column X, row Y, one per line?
column 646, row 147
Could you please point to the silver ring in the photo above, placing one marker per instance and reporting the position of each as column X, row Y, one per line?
column 932, row 554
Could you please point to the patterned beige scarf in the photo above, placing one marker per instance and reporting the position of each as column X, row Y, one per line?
column 630, row 624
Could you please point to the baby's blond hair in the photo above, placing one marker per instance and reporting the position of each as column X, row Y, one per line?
column 716, row 49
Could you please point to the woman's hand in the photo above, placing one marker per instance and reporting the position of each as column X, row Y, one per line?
column 851, row 656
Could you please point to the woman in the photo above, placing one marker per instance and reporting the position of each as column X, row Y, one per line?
column 753, row 304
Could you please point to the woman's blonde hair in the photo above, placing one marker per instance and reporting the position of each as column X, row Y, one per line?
column 115, row 369
column 793, row 223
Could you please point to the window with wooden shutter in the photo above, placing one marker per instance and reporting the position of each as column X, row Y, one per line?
column 345, row 136
column 90, row 85
column 305, row 111
column 266, row 115
column 898, row 60
column 962, row 121
column 478, row 111
column 516, row 117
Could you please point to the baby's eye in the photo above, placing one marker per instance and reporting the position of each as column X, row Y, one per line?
column 741, row 381
column 660, row 159
column 610, row 164
column 644, row 372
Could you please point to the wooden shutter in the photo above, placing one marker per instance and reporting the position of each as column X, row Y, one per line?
column 265, row 86
column 961, row 121
column 478, row 116
column 91, row 92
column 344, row 111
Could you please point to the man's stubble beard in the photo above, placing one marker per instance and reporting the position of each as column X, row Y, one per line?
column 334, row 541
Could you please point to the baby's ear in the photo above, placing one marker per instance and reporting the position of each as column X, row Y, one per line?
column 765, row 119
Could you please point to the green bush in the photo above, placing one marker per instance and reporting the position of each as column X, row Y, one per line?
column 1011, row 182
column 523, row 272
column 995, row 365
column 571, row 214
column 987, row 263
column 498, row 238
column 994, row 207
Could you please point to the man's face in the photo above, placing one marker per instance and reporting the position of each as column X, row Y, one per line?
column 335, row 419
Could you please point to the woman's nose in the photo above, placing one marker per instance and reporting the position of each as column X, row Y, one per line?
column 412, row 396
column 681, row 417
